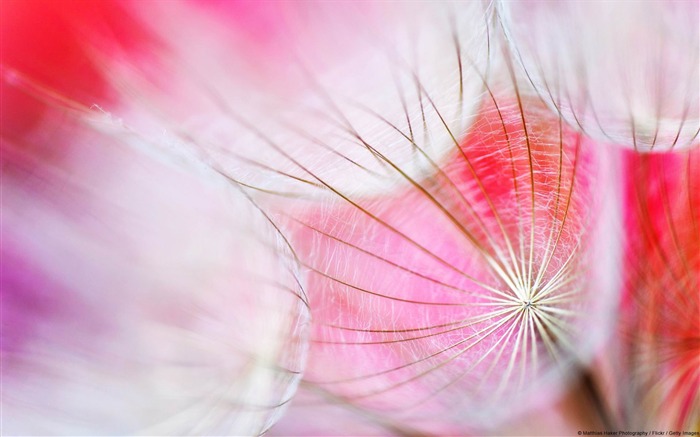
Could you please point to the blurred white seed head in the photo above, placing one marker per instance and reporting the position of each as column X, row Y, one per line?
column 625, row 72
column 320, row 76
column 140, row 297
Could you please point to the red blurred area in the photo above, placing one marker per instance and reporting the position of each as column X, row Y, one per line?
column 47, row 45
column 662, row 300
